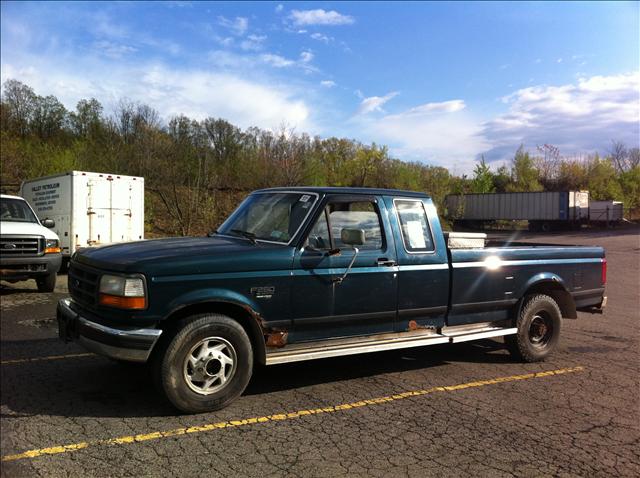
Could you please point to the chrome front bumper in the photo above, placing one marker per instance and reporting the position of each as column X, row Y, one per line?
column 133, row 345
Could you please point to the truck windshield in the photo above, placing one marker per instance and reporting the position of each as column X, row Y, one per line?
column 274, row 217
column 16, row 210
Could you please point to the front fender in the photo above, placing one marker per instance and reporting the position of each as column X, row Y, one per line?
column 200, row 296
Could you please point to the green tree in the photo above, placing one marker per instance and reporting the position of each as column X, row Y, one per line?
column 601, row 179
column 502, row 179
column 482, row 181
column 524, row 174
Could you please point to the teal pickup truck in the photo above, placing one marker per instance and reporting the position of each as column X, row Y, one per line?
column 307, row 273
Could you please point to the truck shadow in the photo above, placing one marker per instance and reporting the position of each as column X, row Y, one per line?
column 97, row 387
column 21, row 288
column 304, row 374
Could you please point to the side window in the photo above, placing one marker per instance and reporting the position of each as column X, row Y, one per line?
column 356, row 215
column 319, row 235
column 415, row 226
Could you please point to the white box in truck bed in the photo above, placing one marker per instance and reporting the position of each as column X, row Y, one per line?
column 89, row 209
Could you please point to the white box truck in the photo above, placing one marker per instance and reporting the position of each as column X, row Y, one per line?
column 89, row 209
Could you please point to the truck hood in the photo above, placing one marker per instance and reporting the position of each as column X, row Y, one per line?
column 186, row 255
column 15, row 228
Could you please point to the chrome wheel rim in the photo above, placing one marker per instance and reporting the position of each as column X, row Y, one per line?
column 210, row 365
column 540, row 330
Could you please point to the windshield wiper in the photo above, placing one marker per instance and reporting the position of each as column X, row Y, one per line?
column 249, row 235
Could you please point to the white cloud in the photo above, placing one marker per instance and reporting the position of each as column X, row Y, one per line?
column 320, row 17
column 306, row 56
column 198, row 93
column 577, row 118
column 374, row 103
column 450, row 106
column 276, row 60
column 253, row 42
column 225, row 41
column 328, row 83
column 113, row 50
column 279, row 7
column 238, row 26
column 439, row 133
column 321, row 37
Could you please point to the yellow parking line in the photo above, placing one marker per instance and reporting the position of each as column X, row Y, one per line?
column 42, row 359
column 281, row 416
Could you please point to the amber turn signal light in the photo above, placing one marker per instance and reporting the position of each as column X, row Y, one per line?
column 52, row 250
column 136, row 303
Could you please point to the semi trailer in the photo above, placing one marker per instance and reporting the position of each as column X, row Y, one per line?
column 544, row 211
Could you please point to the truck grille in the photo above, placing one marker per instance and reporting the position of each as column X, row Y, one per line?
column 21, row 246
column 83, row 284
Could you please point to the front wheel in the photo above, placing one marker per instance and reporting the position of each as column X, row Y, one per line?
column 47, row 283
column 538, row 329
column 206, row 365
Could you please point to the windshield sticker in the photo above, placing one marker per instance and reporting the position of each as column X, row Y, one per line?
column 305, row 198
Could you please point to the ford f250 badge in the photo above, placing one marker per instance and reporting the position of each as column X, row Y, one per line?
column 263, row 292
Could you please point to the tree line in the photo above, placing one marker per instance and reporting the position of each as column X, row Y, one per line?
column 196, row 172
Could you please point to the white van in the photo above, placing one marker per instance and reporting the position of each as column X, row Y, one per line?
column 28, row 248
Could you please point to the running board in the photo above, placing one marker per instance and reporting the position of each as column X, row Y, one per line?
column 395, row 341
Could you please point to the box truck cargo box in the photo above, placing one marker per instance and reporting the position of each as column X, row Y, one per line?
column 605, row 211
column 89, row 209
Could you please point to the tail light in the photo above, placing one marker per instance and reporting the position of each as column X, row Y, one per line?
column 604, row 271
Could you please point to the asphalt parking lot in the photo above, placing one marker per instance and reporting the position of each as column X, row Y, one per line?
column 462, row 410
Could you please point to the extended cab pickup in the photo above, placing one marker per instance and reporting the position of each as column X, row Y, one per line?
column 306, row 273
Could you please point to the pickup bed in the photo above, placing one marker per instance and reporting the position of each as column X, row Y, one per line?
column 306, row 273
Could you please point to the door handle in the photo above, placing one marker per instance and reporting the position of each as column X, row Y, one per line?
column 383, row 261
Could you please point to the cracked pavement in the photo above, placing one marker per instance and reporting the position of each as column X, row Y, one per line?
column 577, row 424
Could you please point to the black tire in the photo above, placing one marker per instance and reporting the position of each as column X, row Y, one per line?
column 534, row 226
column 538, row 329
column 546, row 226
column 171, row 369
column 47, row 283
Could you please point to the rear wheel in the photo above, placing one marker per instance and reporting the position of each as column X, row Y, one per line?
column 47, row 283
column 206, row 365
column 546, row 226
column 538, row 329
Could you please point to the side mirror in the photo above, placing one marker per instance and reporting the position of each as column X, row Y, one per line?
column 50, row 223
column 353, row 237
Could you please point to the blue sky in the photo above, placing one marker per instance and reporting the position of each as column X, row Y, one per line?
column 438, row 82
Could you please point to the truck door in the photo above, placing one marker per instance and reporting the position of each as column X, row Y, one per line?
column 99, row 211
column 121, row 208
column 423, row 275
column 364, row 302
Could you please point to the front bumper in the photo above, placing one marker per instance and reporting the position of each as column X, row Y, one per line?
column 133, row 345
column 21, row 268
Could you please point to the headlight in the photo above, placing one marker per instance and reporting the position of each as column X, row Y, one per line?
column 51, row 246
column 122, row 292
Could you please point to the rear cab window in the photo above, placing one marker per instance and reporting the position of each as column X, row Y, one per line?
column 414, row 225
